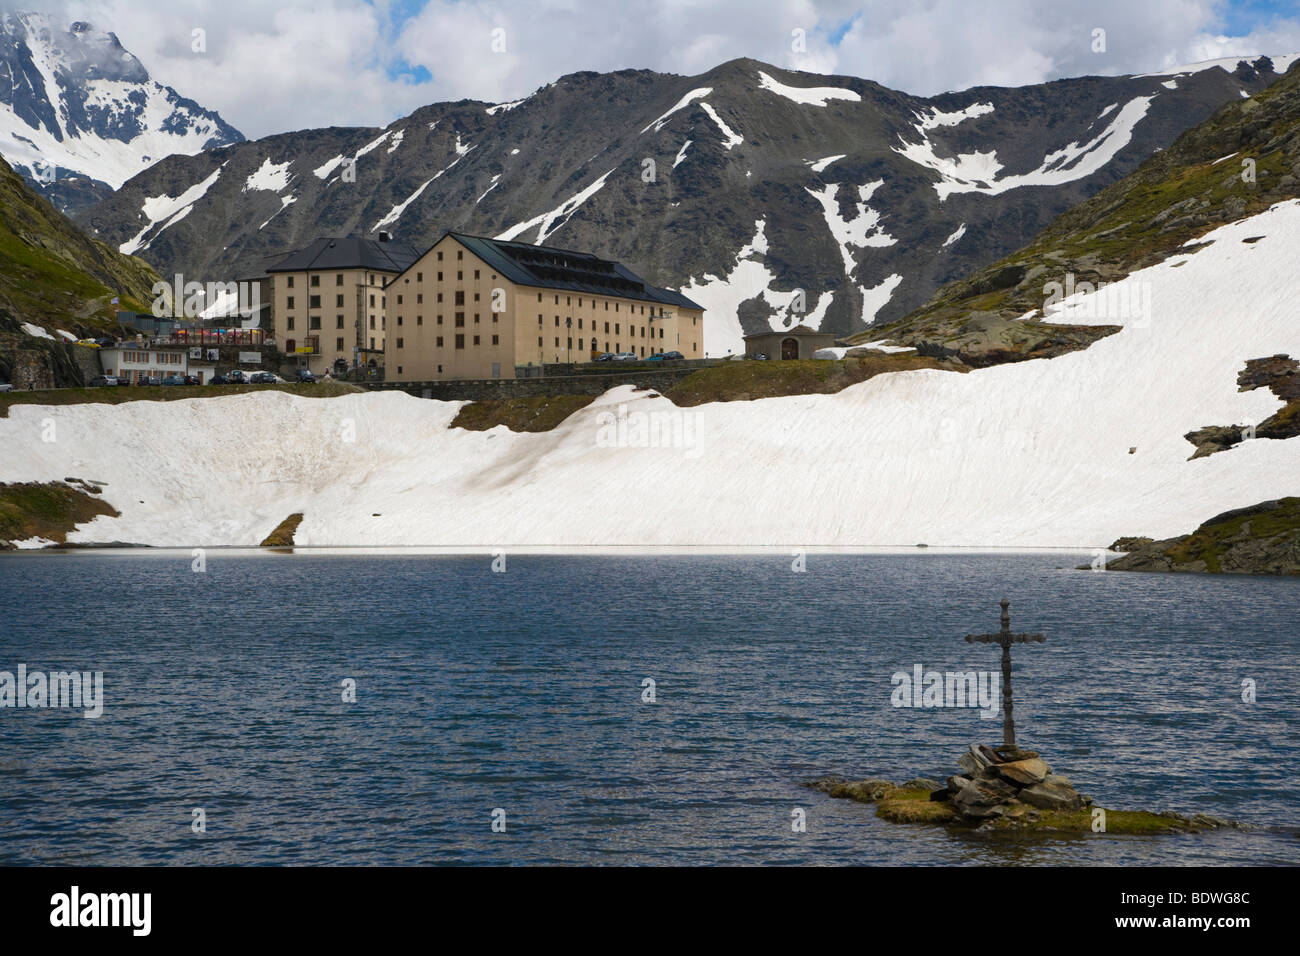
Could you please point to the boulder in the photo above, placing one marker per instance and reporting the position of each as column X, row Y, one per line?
column 1025, row 773
column 1053, row 793
column 978, row 798
column 921, row 783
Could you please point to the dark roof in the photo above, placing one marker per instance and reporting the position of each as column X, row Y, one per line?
column 350, row 252
column 547, row 267
column 797, row 330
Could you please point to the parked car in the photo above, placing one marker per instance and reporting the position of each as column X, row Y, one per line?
column 6, row 387
column 88, row 343
column 235, row 377
column 191, row 380
column 305, row 375
column 106, row 343
column 149, row 380
column 625, row 357
column 673, row 357
column 261, row 378
column 218, row 380
column 101, row 380
column 605, row 357
column 123, row 380
column 174, row 380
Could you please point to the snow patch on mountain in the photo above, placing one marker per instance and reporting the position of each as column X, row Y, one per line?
column 937, row 117
column 961, row 231
column 806, row 95
column 685, row 101
column 730, row 137
column 271, row 177
column 163, row 211
column 978, row 172
column 550, row 221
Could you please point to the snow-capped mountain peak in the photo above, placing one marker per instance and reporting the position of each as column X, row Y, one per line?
column 80, row 115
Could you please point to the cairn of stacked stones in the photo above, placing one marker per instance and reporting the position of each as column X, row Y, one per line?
column 1006, row 780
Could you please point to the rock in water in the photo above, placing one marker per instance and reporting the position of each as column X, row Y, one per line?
column 1026, row 773
column 1052, row 793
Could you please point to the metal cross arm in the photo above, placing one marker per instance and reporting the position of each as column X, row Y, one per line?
column 1004, row 639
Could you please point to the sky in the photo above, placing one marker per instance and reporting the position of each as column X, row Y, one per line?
column 270, row 66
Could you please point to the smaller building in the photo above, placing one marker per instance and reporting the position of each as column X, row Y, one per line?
column 799, row 342
column 133, row 361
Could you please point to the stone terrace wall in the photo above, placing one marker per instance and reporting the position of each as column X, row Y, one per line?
column 497, row 389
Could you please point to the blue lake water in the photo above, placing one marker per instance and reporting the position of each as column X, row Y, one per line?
column 523, row 691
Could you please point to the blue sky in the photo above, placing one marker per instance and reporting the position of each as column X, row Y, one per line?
column 291, row 64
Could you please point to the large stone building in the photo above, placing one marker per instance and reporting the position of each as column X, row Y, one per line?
column 327, row 300
column 471, row 308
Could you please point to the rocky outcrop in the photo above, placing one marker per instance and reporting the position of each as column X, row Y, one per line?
column 1006, row 788
column 1278, row 373
column 1261, row 539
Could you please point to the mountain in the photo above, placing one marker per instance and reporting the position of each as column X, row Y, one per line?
column 740, row 186
column 55, row 283
column 79, row 115
column 1239, row 162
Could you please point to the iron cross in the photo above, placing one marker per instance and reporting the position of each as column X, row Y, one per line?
column 1005, row 639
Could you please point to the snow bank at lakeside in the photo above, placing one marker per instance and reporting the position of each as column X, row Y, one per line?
column 1030, row 454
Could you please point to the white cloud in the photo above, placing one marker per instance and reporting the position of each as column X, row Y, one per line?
column 305, row 63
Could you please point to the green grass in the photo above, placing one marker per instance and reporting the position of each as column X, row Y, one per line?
column 539, row 413
column 117, row 395
column 748, row 380
column 46, row 510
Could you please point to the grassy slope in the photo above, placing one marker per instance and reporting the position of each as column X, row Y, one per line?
column 46, row 510
column 134, row 393
column 533, row 414
column 1175, row 196
column 52, row 274
column 1262, row 539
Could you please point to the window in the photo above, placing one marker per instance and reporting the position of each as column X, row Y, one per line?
column 338, row 279
column 539, row 318
column 289, row 281
column 315, row 322
column 476, row 296
column 338, row 345
column 439, row 296
column 399, row 298
column 557, row 341
column 476, row 318
column 557, row 300
column 288, row 323
column 338, row 302
column 438, row 342
column 568, row 300
column 460, row 320
column 419, row 277
column 372, row 300
column 440, row 320
column 372, row 322
column 440, row 274
column 313, row 302
column 557, row 321
column 539, row 297
column 419, row 320
column 440, row 259
column 460, row 297
column 338, row 321
column 607, row 328
column 496, row 340
column 315, row 281
column 475, row 273
column 290, row 303
column 539, row 341
column 460, row 341
column 372, row 342
column 460, row 253
column 419, row 298
column 399, row 343
column 399, row 370
column 399, row 320
column 476, row 340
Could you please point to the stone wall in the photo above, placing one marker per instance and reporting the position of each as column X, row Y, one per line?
column 482, row 390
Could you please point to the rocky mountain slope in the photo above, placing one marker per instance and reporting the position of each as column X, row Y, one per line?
column 743, row 186
column 55, row 284
column 1242, row 160
column 79, row 115
column 1259, row 539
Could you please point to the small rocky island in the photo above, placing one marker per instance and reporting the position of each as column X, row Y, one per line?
column 1006, row 788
